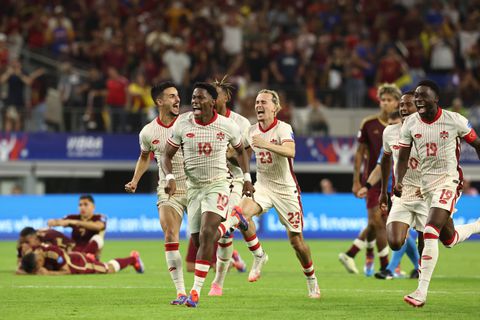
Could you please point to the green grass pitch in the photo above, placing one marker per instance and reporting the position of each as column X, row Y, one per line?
column 280, row 294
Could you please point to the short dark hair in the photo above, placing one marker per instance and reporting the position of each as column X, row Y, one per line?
column 207, row 86
column 158, row 88
column 29, row 262
column 409, row 92
column 27, row 231
column 87, row 197
column 394, row 115
column 432, row 85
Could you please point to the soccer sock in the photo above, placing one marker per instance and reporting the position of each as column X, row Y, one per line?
column 125, row 262
column 396, row 258
column 383, row 255
column 309, row 271
column 224, row 255
column 222, row 230
column 370, row 248
column 356, row 247
column 254, row 245
column 412, row 251
column 462, row 233
column 201, row 272
column 429, row 257
column 92, row 247
column 174, row 264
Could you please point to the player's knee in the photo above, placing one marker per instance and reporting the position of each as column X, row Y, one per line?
column 297, row 244
column 395, row 244
column 99, row 240
column 170, row 235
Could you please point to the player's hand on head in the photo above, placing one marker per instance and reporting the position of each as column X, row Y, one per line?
column 131, row 187
column 362, row 193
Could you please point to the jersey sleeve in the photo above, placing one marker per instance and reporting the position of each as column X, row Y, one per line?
column 385, row 147
column 405, row 134
column 246, row 138
column 362, row 136
column 464, row 128
column 235, row 134
column 101, row 218
column 285, row 133
column 145, row 145
column 176, row 138
column 56, row 255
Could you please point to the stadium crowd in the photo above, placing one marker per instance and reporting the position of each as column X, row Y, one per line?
column 317, row 54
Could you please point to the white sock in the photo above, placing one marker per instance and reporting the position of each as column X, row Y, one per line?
column 224, row 256
column 360, row 244
column 254, row 245
column 462, row 233
column 429, row 257
column 201, row 272
column 174, row 264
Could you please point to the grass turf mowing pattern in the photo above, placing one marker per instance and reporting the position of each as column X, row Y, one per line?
column 281, row 293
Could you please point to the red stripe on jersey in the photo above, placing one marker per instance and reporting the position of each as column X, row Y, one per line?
column 439, row 113
column 227, row 114
column 287, row 140
column 225, row 245
column 166, row 125
column 404, row 145
column 201, row 274
column 173, row 144
column 459, row 169
column 173, row 246
column 238, row 145
column 274, row 123
column 470, row 137
column 215, row 116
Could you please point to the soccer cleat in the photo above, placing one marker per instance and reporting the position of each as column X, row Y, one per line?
column 416, row 299
column 369, row 268
column 238, row 262
column 242, row 222
column 348, row 263
column 258, row 263
column 192, row 300
column 138, row 262
column 180, row 300
column 384, row 275
column 215, row 290
column 313, row 288
column 414, row 274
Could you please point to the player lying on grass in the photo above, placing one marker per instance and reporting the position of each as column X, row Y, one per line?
column 51, row 260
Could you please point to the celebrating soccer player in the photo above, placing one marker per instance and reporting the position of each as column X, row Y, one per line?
column 435, row 134
column 153, row 138
column 204, row 137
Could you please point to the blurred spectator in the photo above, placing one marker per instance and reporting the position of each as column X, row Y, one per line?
column 4, row 55
column 457, row 106
column 141, row 105
column 317, row 123
column 60, row 32
column 15, row 44
column 469, row 88
column 468, row 189
column 326, row 186
column 16, row 189
column 39, row 89
column 94, row 116
column 391, row 67
column 116, row 99
column 335, row 71
column 178, row 63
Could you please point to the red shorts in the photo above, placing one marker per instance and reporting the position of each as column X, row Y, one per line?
column 372, row 197
column 192, row 253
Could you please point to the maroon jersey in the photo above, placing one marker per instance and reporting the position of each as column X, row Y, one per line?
column 52, row 236
column 53, row 255
column 82, row 236
column 371, row 131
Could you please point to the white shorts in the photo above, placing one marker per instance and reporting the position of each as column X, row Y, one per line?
column 444, row 197
column 413, row 213
column 289, row 208
column 209, row 198
column 177, row 202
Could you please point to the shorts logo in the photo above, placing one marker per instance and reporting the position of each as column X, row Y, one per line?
column 418, row 135
column 442, row 201
column 220, row 136
column 190, row 135
column 396, row 147
column 155, row 141
column 444, row 135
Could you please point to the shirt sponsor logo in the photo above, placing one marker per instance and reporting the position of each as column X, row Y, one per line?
column 190, row 135
column 418, row 135
column 444, row 135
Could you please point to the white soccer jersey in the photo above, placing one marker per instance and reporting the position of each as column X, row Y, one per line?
column 413, row 178
column 243, row 124
column 153, row 138
column 437, row 145
column 274, row 172
column 204, row 147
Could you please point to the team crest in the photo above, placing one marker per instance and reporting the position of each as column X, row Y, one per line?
column 444, row 135
column 220, row 136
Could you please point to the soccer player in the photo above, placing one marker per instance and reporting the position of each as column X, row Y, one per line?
column 204, row 137
column 153, row 138
column 225, row 244
column 276, row 186
column 370, row 143
column 51, row 260
column 88, row 228
column 435, row 134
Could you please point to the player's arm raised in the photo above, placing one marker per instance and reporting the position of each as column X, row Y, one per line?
column 286, row 149
column 171, row 185
column 141, row 167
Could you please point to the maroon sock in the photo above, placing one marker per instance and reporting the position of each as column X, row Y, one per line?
column 384, row 262
column 370, row 253
column 92, row 247
column 352, row 252
column 125, row 262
